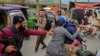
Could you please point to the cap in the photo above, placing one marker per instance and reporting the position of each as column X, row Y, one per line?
column 18, row 19
column 62, row 20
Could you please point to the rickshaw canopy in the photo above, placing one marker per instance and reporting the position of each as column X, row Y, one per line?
column 8, row 8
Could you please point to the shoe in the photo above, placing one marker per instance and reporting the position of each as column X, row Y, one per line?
column 36, row 50
column 43, row 47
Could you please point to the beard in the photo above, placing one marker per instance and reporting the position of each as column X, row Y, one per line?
column 21, row 28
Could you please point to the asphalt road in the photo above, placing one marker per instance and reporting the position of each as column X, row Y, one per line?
column 93, row 44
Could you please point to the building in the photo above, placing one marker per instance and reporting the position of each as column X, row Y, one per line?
column 42, row 3
column 45, row 3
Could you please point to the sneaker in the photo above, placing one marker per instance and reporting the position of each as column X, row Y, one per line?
column 43, row 47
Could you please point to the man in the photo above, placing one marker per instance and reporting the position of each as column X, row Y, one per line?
column 69, row 45
column 16, row 32
column 55, row 47
column 59, row 14
column 41, row 22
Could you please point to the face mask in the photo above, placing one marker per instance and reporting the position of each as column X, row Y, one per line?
column 21, row 28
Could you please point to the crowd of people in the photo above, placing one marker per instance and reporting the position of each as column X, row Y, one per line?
column 11, row 38
column 64, row 35
column 90, row 22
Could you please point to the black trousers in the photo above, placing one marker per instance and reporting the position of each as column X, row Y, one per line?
column 40, row 39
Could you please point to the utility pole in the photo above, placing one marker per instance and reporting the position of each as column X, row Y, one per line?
column 60, row 3
column 52, row 3
column 37, row 5
column 75, row 1
column 88, row 0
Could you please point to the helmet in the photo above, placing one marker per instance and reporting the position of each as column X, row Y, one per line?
column 62, row 19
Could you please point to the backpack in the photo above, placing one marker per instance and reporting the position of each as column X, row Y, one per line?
column 48, row 24
column 50, row 21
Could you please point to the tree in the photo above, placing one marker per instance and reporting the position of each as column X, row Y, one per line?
column 18, row 1
column 6, row 1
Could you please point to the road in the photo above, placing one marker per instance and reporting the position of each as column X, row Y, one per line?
column 93, row 44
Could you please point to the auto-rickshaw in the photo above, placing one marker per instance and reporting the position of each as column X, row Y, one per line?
column 32, row 18
column 30, row 14
column 7, row 14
